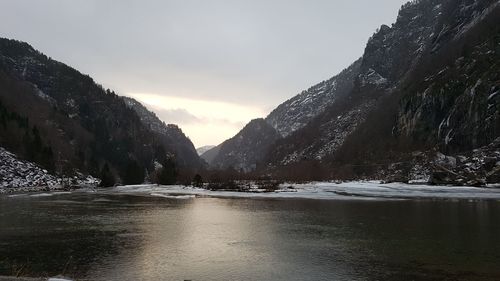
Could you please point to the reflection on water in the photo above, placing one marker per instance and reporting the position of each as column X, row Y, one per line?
column 123, row 237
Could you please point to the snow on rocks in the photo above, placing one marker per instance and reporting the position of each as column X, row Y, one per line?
column 372, row 78
column 478, row 168
column 296, row 112
column 17, row 174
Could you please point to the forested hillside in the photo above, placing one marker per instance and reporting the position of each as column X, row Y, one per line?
column 68, row 123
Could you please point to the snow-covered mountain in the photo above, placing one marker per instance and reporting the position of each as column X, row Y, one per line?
column 429, row 81
column 287, row 118
column 296, row 112
column 390, row 54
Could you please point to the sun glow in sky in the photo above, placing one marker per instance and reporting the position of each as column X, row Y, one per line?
column 203, row 121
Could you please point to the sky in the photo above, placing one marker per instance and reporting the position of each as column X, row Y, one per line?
column 209, row 66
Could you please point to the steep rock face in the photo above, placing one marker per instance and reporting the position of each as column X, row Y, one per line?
column 455, row 104
column 413, row 82
column 245, row 150
column 70, row 123
column 171, row 134
column 301, row 109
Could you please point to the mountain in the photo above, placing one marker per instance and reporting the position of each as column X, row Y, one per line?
column 53, row 115
column 287, row 118
column 203, row 149
column 296, row 112
column 426, row 83
column 244, row 151
column 429, row 83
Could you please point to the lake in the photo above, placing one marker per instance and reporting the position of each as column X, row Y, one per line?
column 115, row 236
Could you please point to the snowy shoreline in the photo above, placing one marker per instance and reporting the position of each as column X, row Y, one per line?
column 369, row 190
column 366, row 190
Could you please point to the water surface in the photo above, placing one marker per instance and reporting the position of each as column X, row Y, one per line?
column 96, row 236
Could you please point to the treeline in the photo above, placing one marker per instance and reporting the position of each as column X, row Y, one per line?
column 166, row 172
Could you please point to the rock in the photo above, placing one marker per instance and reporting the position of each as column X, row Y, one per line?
column 447, row 161
column 493, row 176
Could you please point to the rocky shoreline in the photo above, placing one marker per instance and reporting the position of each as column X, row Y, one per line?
column 478, row 168
column 17, row 175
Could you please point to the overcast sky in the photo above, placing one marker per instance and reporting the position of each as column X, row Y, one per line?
column 208, row 65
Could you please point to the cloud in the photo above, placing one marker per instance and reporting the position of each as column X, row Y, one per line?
column 177, row 116
column 258, row 52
